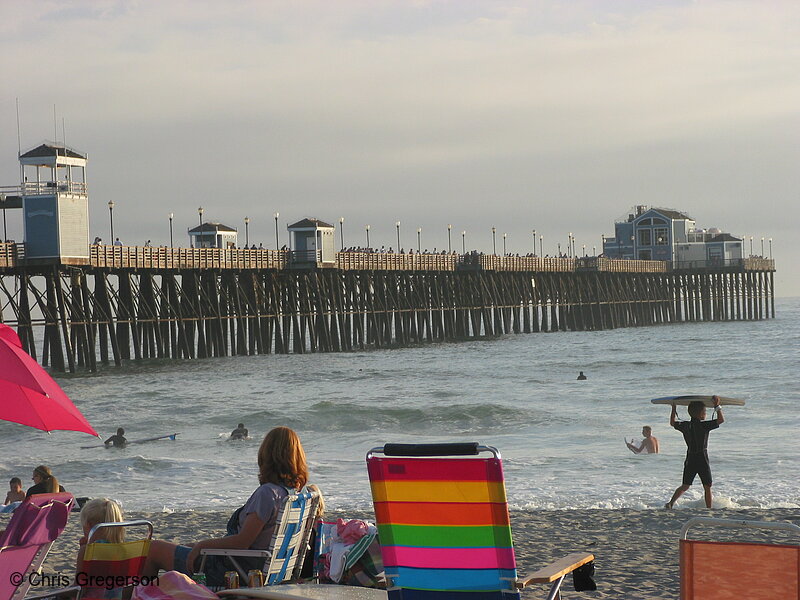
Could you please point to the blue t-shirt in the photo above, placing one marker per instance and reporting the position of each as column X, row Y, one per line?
column 265, row 502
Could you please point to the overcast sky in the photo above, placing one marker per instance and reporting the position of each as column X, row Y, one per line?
column 554, row 116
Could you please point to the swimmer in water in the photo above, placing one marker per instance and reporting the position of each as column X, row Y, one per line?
column 117, row 440
column 240, row 433
column 581, row 376
column 649, row 444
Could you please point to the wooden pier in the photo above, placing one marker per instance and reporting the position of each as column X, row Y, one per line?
column 183, row 303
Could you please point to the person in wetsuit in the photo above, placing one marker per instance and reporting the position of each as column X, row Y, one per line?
column 240, row 433
column 118, row 440
column 695, row 434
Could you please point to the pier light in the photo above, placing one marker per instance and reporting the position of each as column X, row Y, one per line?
column 111, row 218
column 594, row 250
column 541, row 243
column 762, row 247
column 584, row 249
column 366, row 228
column 246, row 232
column 341, row 231
column 277, row 238
column 494, row 244
column 770, row 248
column 397, row 224
column 569, row 245
column 449, row 242
column 171, row 216
column 751, row 245
column 505, row 235
column 419, row 239
column 534, row 242
column 464, row 242
column 5, row 231
column 559, row 249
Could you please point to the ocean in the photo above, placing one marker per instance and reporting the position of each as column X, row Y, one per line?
column 561, row 439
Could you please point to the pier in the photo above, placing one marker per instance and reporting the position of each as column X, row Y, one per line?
column 128, row 302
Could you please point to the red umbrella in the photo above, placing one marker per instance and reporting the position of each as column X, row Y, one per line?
column 29, row 394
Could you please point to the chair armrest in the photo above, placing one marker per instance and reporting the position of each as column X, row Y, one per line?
column 234, row 552
column 557, row 569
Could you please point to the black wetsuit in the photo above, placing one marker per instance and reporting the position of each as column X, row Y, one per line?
column 695, row 433
column 118, row 441
column 240, row 433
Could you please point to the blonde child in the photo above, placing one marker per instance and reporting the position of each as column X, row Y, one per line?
column 94, row 512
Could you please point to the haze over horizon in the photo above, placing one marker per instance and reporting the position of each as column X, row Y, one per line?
column 553, row 116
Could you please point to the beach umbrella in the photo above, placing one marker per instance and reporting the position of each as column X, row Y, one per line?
column 29, row 395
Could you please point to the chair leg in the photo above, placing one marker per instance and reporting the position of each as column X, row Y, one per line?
column 555, row 589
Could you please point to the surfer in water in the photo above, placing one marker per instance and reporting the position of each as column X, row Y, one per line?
column 581, row 376
column 117, row 440
column 695, row 433
column 649, row 444
column 240, row 433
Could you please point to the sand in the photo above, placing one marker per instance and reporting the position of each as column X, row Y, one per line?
column 636, row 550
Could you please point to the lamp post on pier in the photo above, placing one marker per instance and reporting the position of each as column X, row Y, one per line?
column 366, row 228
column 449, row 244
column 3, row 202
column 397, row 225
column 464, row 242
column 751, row 245
column 111, row 218
column 419, row 239
column 534, row 242
column 277, row 240
column 770, row 248
column 505, row 235
column 762, row 247
column 341, row 231
column 541, row 244
column 569, row 245
column 246, row 233
column 494, row 244
column 584, row 250
column 171, row 216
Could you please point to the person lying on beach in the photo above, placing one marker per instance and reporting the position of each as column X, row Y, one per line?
column 15, row 493
column 118, row 440
column 44, row 482
column 282, row 468
column 649, row 444
column 94, row 512
column 695, row 434
column 240, row 433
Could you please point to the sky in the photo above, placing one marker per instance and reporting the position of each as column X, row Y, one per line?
column 553, row 116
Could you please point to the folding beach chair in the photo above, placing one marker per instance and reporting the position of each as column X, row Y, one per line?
column 444, row 527
column 726, row 570
column 24, row 545
column 283, row 560
column 102, row 559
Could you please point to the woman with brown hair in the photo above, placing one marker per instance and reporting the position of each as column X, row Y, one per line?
column 44, row 482
column 281, row 469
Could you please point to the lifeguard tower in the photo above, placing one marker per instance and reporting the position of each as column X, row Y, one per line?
column 55, row 204
column 213, row 235
column 313, row 243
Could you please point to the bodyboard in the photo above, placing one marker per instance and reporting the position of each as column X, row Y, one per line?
column 686, row 400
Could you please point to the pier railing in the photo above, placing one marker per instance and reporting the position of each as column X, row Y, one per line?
column 11, row 254
column 143, row 257
column 754, row 263
column 42, row 188
column 615, row 265
column 376, row 261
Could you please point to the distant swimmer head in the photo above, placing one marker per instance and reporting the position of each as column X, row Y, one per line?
column 581, row 376
column 697, row 409
column 240, row 426
column 647, row 430
column 120, row 431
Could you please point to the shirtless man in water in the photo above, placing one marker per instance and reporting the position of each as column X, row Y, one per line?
column 649, row 444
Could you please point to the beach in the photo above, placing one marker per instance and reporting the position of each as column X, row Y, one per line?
column 636, row 550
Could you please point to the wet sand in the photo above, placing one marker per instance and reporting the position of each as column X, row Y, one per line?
column 636, row 550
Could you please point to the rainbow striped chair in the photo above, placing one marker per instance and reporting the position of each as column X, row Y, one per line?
column 122, row 559
column 444, row 528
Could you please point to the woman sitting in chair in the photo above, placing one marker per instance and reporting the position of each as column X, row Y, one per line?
column 282, row 469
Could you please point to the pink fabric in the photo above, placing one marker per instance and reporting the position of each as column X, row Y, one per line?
column 351, row 531
column 173, row 586
column 9, row 335
column 450, row 558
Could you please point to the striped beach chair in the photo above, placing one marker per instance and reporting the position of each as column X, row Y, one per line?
column 444, row 527
column 283, row 561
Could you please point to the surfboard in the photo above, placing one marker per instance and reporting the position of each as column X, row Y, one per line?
column 141, row 441
column 686, row 400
